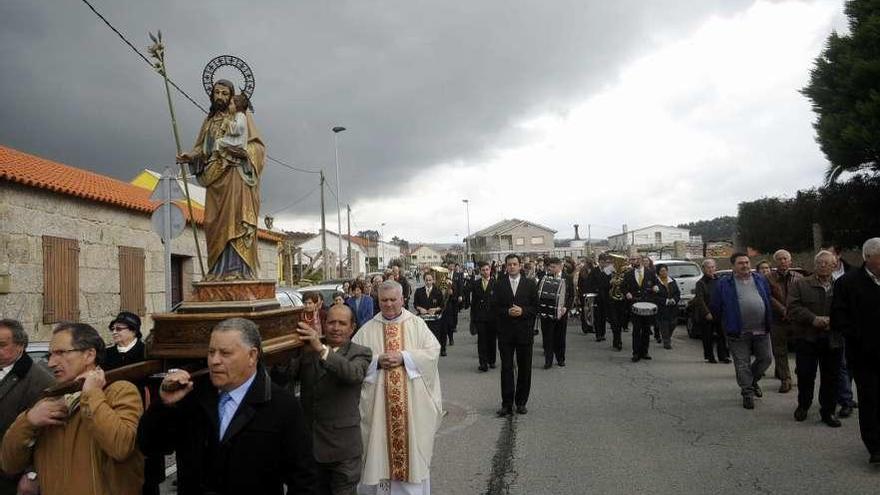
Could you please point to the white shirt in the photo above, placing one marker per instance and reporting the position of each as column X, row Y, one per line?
column 124, row 349
column 514, row 283
column 875, row 278
column 5, row 371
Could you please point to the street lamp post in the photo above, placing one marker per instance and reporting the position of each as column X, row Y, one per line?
column 336, row 131
column 467, row 240
column 381, row 245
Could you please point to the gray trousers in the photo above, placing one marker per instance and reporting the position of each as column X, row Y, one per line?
column 743, row 348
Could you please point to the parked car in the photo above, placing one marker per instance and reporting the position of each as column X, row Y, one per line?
column 326, row 290
column 288, row 298
column 38, row 351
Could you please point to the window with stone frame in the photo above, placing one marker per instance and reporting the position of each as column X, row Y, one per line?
column 60, row 279
column 132, row 295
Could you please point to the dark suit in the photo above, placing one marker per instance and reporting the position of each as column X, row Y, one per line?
column 599, row 283
column 428, row 301
column 264, row 448
column 483, row 318
column 553, row 331
column 515, row 337
column 641, row 334
column 330, row 393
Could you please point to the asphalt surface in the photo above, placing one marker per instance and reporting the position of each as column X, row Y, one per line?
column 605, row 425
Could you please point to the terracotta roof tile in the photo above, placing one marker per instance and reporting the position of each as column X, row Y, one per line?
column 33, row 171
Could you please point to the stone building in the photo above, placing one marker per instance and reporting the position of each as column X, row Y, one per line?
column 511, row 236
column 76, row 245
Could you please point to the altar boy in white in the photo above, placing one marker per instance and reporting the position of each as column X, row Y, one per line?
column 401, row 405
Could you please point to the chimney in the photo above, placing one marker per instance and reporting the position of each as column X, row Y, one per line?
column 577, row 236
column 624, row 229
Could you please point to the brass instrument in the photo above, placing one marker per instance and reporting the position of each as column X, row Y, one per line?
column 621, row 266
column 441, row 281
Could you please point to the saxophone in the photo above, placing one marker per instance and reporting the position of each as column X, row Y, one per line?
column 621, row 266
column 441, row 280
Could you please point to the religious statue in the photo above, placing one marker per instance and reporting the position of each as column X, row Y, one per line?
column 227, row 159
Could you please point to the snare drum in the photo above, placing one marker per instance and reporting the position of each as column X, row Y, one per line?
column 428, row 317
column 644, row 309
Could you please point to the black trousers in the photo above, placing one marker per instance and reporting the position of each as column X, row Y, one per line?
column 713, row 339
column 600, row 315
column 486, row 341
column 619, row 320
column 585, row 325
column 438, row 328
column 808, row 357
column 867, row 378
column 515, row 391
column 553, row 337
column 641, row 337
column 339, row 478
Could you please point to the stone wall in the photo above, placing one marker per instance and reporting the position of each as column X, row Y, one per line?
column 27, row 214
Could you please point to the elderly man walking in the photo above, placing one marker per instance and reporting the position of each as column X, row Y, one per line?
column 21, row 382
column 817, row 343
column 83, row 442
column 782, row 280
column 330, row 377
column 708, row 325
column 401, row 405
column 742, row 302
column 855, row 311
column 235, row 432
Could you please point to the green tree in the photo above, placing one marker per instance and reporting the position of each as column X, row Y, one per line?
column 844, row 89
column 716, row 229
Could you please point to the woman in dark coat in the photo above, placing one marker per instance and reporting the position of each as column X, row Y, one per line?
column 666, row 297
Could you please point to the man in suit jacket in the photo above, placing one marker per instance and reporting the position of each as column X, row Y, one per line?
column 637, row 283
column 235, row 433
column 429, row 301
column 516, row 302
column 483, row 317
column 553, row 327
column 330, row 379
column 21, row 383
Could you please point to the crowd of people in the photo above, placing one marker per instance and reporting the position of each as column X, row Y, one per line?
column 356, row 408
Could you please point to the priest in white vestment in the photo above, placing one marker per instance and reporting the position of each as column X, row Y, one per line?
column 400, row 399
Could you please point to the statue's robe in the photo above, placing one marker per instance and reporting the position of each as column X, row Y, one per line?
column 232, row 201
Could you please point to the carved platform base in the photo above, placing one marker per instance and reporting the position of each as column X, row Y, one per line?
column 234, row 290
column 186, row 335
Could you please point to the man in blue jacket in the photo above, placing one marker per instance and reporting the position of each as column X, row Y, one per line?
column 743, row 302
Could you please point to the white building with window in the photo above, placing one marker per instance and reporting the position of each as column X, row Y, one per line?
column 651, row 236
column 424, row 256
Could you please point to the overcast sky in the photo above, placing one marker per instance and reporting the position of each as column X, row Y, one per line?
column 559, row 112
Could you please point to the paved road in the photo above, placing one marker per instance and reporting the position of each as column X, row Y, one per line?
column 606, row 425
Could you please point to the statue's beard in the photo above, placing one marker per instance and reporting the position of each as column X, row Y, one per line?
column 218, row 106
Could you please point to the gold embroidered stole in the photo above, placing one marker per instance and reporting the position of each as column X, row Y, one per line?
column 396, row 413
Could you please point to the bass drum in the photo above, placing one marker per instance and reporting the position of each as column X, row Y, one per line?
column 549, row 298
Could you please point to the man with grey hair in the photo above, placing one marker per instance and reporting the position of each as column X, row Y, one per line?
column 236, row 432
column 21, row 383
column 781, row 282
column 401, row 402
column 709, row 326
column 817, row 343
column 855, row 312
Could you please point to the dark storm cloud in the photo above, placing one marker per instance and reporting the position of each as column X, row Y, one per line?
column 416, row 83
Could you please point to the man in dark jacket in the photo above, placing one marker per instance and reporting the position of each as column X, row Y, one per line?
column 783, row 278
column 855, row 311
column 482, row 316
column 709, row 326
column 21, row 382
column 236, row 433
column 742, row 303
column 553, row 326
column 516, row 303
column 331, row 376
column 638, row 283
column 817, row 344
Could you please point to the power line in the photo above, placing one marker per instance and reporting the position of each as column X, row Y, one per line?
column 175, row 86
column 295, row 202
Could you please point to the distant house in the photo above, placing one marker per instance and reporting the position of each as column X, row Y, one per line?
column 423, row 256
column 649, row 237
column 511, row 236
column 79, row 246
column 311, row 249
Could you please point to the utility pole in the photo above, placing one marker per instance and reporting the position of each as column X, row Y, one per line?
column 323, row 230
column 350, row 265
column 590, row 239
column 336, row 131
